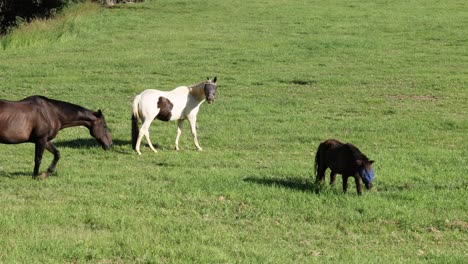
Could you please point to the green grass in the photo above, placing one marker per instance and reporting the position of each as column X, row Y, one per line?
column 388, row 76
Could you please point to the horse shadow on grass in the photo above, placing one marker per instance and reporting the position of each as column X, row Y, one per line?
column 15, row 174
column 89, row 143
column 86, row 143
column 297, row 184
column 81, row 143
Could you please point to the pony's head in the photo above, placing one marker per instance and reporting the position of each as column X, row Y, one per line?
column 100, row 131
column 366, row 172
column 210, row 90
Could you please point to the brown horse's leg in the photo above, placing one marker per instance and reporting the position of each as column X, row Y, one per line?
column 357, row 179
column 50, row 147
column 38, row 152
column 345, row 183
column 332, row 177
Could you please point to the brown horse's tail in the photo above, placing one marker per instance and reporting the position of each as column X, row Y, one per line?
column 135, row 118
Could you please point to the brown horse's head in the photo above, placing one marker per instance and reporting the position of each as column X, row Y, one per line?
column 210, row 90
column 366, row 172
column 100, row 131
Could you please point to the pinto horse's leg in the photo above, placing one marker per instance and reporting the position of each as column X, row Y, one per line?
column 144, row 131
column 193, row 126
column 50, row 147
column 180, row 122
column 38, row 152
column 138, row 143
column 357, row 179
column 149, row 141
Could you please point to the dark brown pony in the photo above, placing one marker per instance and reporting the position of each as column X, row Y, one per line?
column 345, row 159
column 37, row 119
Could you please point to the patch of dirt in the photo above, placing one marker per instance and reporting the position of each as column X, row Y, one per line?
column 458, row 224
column 315, row 253
column 414, row 97
column 433, row 230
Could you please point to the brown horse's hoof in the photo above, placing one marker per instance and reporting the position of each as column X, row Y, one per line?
column 42, row 176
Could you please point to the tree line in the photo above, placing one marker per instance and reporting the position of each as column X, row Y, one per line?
column 14, row 12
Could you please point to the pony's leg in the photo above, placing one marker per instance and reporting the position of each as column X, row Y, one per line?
column 50, row 147
column 332, row 177
column 193, row 126
column 357, row 179
column 320, row 173
column 38, row 152
column 180, row 122
column 345, row 183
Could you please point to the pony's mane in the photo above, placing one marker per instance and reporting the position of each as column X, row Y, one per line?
column 357, row 154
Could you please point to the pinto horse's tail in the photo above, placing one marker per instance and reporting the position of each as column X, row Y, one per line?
column 135, row 117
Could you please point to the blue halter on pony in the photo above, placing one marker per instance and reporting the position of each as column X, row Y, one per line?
column 367, row 176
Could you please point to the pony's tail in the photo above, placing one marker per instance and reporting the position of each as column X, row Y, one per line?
column 317, row 160
column 135, row 118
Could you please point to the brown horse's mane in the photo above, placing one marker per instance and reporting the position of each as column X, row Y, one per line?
column 357, row 154
column 64, row 106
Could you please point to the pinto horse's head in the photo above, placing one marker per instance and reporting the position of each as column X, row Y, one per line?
column 100, row 131
column 210, row 90
column 366, row 172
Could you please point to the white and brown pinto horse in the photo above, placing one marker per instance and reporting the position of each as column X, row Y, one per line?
column 179, row 104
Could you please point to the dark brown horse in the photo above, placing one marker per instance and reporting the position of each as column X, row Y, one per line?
column 345, row 159
column 37, row 119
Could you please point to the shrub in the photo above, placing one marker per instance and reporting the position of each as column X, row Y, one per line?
column 13, row 12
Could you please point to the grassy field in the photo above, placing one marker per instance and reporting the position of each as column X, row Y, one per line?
column 389, row 76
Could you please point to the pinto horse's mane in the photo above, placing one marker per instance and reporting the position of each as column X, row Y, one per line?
column 197, row 85
column 357, row 154
column 201, row 84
